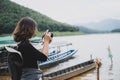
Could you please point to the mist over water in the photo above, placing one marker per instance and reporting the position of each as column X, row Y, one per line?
column 97, row 46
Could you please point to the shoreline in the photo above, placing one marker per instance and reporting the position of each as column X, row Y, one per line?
column 56, row 33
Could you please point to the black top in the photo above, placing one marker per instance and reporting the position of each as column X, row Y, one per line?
column 30, row 54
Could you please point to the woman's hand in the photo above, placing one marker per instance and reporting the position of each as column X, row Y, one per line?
column 47, row 40
column 47, row 37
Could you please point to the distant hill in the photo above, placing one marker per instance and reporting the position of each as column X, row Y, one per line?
column 105, row 25
column 116, row 30
column 89, row 31
column 11, row 13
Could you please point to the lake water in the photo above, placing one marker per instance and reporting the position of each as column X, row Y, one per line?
column 97, row 46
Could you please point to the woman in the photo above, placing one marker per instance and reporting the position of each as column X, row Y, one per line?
column 26, row 29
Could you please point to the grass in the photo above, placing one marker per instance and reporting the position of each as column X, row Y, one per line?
column 62, row 33
column 55, row 34
column 2, row 35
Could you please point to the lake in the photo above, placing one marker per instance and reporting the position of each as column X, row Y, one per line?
column 97, row 46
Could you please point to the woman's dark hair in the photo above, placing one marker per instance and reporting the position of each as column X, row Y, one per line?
column 25, row 29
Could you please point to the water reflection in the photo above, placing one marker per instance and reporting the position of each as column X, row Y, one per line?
column 110, row 72
column 110, row 68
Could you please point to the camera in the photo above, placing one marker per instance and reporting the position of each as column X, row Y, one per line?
column 49, row 33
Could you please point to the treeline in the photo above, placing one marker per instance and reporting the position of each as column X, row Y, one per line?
column 11, row 13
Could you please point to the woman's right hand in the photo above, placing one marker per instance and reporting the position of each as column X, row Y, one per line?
column 47, row 40
column 47, row 37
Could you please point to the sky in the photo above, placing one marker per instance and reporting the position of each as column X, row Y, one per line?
column 75, row 11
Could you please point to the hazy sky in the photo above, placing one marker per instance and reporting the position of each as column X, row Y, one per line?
column 75, row 11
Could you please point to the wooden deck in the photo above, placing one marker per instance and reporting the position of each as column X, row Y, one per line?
column 5, row 78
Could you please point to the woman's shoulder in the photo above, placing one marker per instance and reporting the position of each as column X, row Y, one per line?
column 24, row 43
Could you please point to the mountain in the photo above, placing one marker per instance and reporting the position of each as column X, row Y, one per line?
column 116, row 30
column 105, row 25
column 89, row 31
column 11, row 13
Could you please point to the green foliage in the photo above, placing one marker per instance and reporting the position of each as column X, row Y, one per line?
column 57, row 33
column 11, row 13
